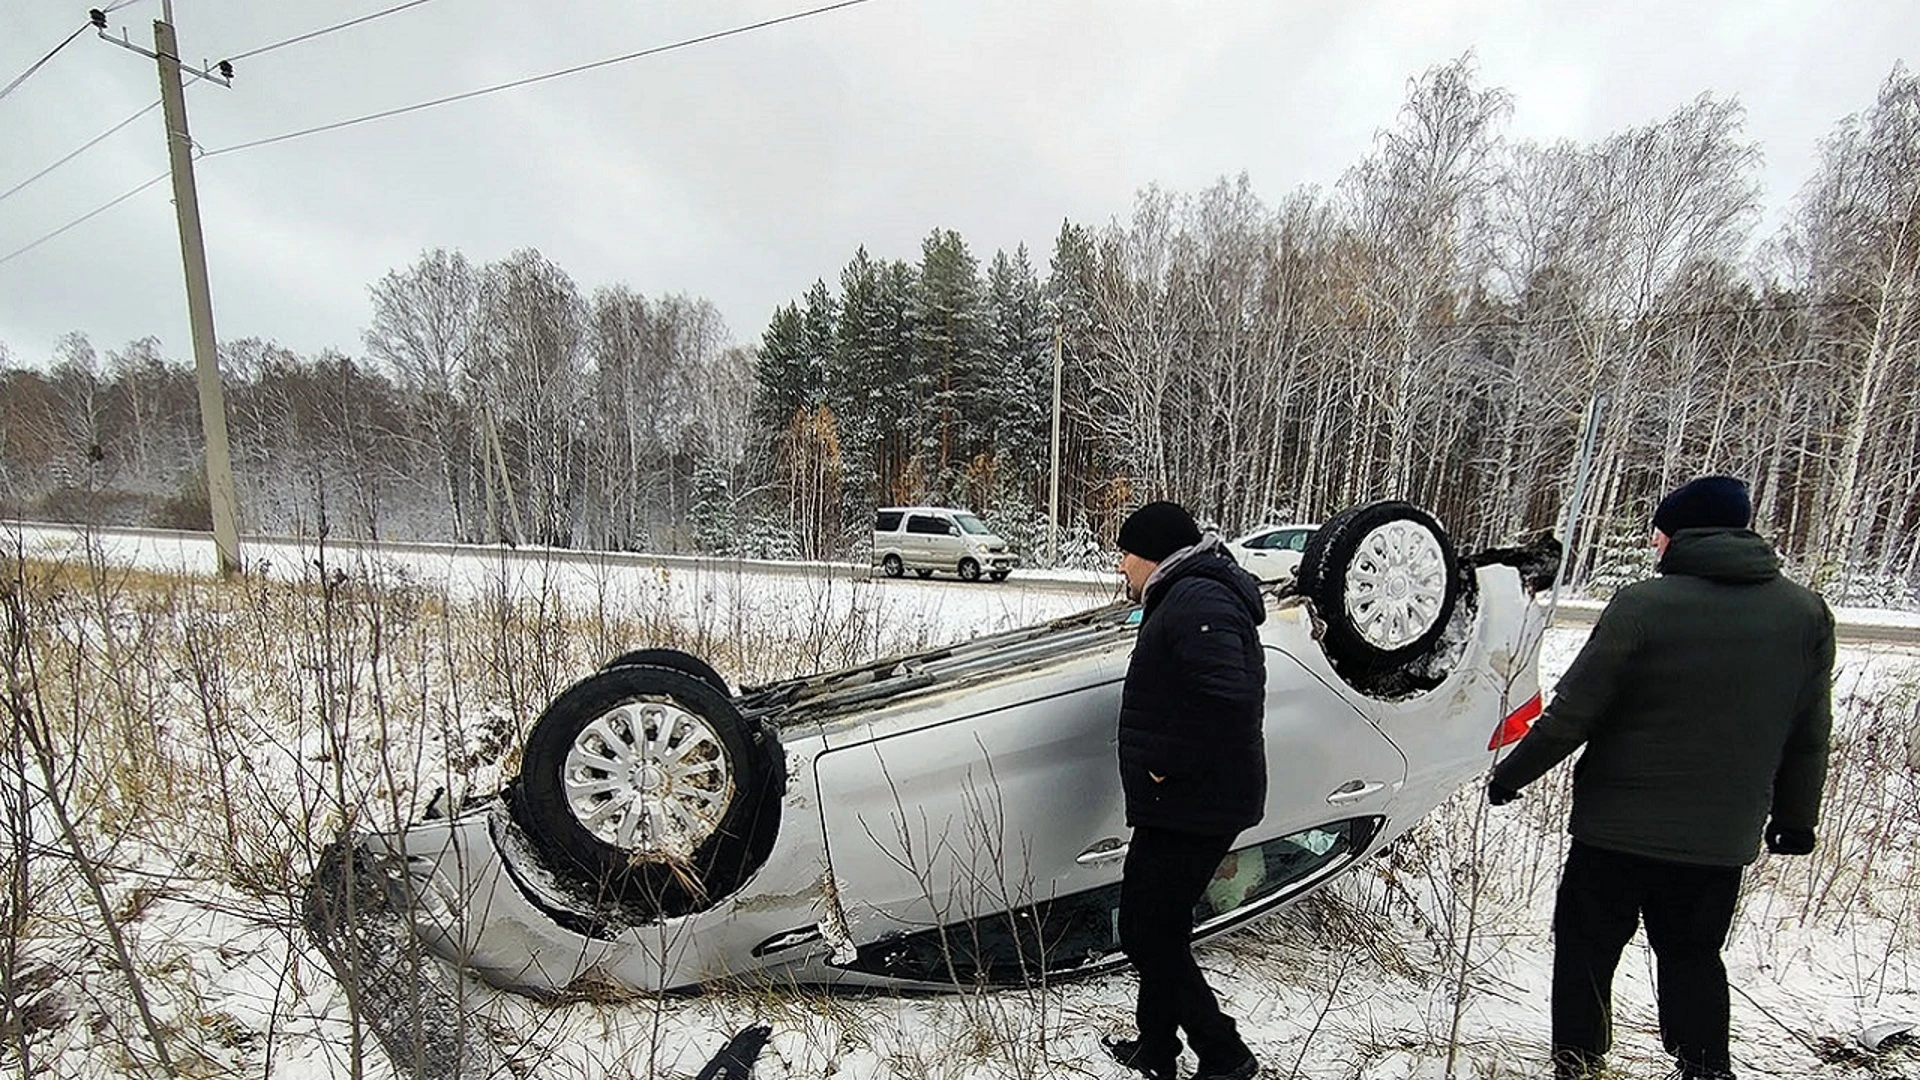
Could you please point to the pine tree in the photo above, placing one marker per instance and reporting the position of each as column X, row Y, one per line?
column 856, row 379
column 786, row 380
column 902, row 478
column 1017, row 395
column 947, row 353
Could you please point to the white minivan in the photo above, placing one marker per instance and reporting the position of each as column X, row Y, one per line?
column 928, row 538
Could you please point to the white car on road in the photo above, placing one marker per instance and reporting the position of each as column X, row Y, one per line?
column 1272, row 552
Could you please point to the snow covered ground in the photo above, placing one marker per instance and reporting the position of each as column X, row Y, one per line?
column 206, row 739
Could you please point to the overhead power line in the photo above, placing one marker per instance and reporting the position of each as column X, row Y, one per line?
column 84, row 147
column 42, row 62
column 90, row 143
column 88, row 216
column 530, row 80
column 325, row 30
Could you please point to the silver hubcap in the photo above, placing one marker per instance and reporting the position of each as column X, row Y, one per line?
column 648, row 777
column 1396, row 585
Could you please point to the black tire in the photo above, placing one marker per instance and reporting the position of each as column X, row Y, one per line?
column 892, row 566
column 1369, row 634
column 923, row 574
column 675, row 659
column 969, row 570
column 999, row 575
column 733, row 818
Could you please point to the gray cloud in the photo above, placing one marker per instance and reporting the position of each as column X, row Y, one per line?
column 744, row 169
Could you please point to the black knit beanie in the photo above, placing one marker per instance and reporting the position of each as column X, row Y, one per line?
column 1157, row 530
column 1711, row 502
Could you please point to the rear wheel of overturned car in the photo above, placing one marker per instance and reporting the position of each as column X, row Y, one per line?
column 998, row 575
column 923, row 574
column 1385, row 579
column 969, row 570
column 892, row 565
column 647, row 783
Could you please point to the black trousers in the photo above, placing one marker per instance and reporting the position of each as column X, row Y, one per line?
column 1165, row 874
column 1688, row 909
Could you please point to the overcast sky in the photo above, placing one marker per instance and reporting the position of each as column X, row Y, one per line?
column 742, row 169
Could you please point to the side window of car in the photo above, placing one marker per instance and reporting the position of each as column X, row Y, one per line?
column 887, row 521
column 1080, row 929
column 1264, row 871
column 1297, row 540
column 926, row 526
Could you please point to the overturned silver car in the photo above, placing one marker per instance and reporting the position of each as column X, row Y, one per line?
column 955, row 817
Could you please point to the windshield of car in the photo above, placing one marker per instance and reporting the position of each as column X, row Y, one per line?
column 971, row 524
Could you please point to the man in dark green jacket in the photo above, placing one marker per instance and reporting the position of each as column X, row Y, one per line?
column 1703, row 698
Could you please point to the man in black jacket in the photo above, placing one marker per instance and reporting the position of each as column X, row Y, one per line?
column 1193, row 766
column 1703, row 698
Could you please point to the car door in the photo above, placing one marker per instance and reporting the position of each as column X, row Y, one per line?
column 923, row 530
column 945, row 546
column 886, row 535
column 952, row 824
column 1260, row 559
column 1325, row 759
column 1288, row 545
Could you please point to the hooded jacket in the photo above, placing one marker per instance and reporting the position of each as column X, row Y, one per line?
column 1704, row 700
column 1195, row 697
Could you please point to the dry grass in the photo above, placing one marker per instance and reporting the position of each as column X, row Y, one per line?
column 206, row 738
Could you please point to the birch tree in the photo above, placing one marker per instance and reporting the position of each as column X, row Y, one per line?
column 1859, row 230
column 423, row 328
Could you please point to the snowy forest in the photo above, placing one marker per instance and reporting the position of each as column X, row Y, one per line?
column 1437, row 326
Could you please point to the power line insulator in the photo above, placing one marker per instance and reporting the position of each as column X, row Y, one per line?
column 226, row 69
column 98, row 17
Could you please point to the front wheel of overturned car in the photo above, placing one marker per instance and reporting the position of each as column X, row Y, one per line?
column 892, row 566
column 675, row 659
column 1385, row 579
column 999, row 575
column 649, row 784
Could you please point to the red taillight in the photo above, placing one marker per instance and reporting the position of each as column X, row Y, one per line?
column 1515, row 726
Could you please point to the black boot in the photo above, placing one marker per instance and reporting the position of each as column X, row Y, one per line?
column 1127, row 1052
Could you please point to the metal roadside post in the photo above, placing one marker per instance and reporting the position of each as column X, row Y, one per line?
column 1053, row 485
column 1596, row 408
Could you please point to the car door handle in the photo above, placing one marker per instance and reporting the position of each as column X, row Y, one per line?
column 1102, row 851
column 1355, row 790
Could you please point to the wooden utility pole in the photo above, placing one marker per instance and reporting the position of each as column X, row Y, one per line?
column 186, row 206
